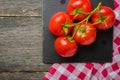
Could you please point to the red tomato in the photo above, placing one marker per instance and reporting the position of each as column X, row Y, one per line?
column 86, row 34
column 65, row 47
column 79, row 9
column 58, row 24
column 104, row 18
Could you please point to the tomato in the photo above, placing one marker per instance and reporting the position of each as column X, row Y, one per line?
column 58, row 24
column 79, row 9
column 86, row 34
column 65, row 47
column 104, row 18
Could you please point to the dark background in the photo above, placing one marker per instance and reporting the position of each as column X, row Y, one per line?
column 99, row 51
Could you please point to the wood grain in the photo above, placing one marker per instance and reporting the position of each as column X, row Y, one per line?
column 21, row 44
column 21, row 75
column 20, row 7
column 21, row 40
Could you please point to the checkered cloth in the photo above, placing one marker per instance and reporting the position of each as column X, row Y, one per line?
column 91, row 71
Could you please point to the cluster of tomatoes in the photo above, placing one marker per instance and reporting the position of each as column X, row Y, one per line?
column 78, row 25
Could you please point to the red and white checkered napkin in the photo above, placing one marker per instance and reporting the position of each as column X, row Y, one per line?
column 91, row 71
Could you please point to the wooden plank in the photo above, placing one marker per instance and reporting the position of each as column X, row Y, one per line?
column 21, row 44
column 20, row 7
column 21, row 76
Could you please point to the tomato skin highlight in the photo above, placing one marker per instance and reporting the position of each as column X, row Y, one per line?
column 56, row 23
column 86, row 37
column 105, row 12
column 84, row 5
column 64, row 47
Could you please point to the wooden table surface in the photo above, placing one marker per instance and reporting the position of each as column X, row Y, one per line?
column 21, row 40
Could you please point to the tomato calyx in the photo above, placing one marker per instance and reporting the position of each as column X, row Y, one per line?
column 101, row 19
column 70, row 39
column 65, row 28
column 77, row 12
column 82, row 30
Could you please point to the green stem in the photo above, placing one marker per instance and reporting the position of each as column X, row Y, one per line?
column 75, row 32
column 86, row 19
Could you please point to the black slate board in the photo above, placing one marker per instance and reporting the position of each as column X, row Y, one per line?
column 99, row 51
